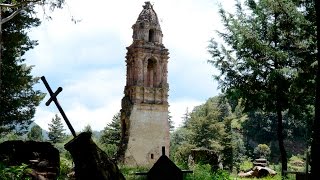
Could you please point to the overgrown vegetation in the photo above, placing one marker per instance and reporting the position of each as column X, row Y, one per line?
column 268, row 59
column 14, row 172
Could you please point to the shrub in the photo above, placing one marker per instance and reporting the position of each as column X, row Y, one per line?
column 296, row 163
column 14, row 172
column 262, row 150
column 65, row 167
column 129, row 172
column 203, row 172
column 246, row 165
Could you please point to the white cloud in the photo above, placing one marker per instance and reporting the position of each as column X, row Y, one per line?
column 79, row 116
column 179, row 107
column 92, row 98
column 87, row 59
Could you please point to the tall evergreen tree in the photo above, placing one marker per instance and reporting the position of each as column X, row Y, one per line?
column 10, row 9
column 18, row 99
column 56, row 132
column 111, row 136
column 185, row 118
column 171, row 126
column 205, row 125
column 265, row 58
column 112, row 132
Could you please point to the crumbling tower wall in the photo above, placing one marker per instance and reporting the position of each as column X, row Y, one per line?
column 144, row 113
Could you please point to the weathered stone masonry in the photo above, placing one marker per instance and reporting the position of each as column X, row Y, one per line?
column 144, row 113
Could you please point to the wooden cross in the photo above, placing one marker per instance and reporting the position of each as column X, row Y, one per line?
column 53, row 97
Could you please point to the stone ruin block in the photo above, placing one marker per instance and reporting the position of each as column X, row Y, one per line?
column 90, row 161
column 205, row 156
column 41, row 157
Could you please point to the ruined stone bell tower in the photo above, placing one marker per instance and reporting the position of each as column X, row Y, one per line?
column 144, row 113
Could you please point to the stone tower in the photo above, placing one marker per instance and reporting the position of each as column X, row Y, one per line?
column 144, row 113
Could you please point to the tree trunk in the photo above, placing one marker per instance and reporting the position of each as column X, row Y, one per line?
column 315, row 146
column 0, row 47
column 283, row 153
column 281, row 142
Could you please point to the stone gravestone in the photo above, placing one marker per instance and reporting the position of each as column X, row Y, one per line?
column 205, row 156
column 41, row 157
column 164, row 168
column 91, row 163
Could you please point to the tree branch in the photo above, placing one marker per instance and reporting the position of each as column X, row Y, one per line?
column 4, row 20
column 18, row 4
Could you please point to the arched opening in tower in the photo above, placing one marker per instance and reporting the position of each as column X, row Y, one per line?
column 151, row 73
column 151, row 35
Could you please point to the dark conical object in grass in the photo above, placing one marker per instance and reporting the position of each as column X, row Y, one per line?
column 164, row 168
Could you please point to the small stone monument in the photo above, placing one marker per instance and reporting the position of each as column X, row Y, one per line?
column 164, row 168
column 90, row 161
column 41, row 157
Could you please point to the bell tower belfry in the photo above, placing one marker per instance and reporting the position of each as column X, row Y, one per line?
column 144, row 113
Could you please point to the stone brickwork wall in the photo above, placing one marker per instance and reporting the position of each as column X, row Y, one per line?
column 148, row 132
column 144, row 113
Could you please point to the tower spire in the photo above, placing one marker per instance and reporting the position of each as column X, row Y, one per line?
column 144, row 113
column 147, row 27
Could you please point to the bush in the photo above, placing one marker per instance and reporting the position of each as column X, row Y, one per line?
column 129, row 172
column 246, row 165
column 221, row 175
column 14, row 172
column 296, row 163
column 65, row 168
column 262, row 150
column 203, row 172
column 182, row 153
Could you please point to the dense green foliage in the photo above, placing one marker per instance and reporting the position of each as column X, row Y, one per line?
column 268, row 59
column 35, row 133
column 213, row 126
column 14, row 172
column 111, row 135
column 56, row 132
column 234, row 135
column 262, row 151
column 18, row 99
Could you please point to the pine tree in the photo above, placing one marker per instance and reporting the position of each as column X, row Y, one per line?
column 35, row 133
column 268, row 59
column 112, row 132
column 18, row 99
column 205, row 125
column 171, row 126
column 56, row 132
column 185, row 118
column 111, row 136
column 10, row 10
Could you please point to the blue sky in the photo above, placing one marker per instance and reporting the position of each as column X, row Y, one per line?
column 87, row 59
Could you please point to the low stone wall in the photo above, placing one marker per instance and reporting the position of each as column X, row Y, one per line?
column 41, row 157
